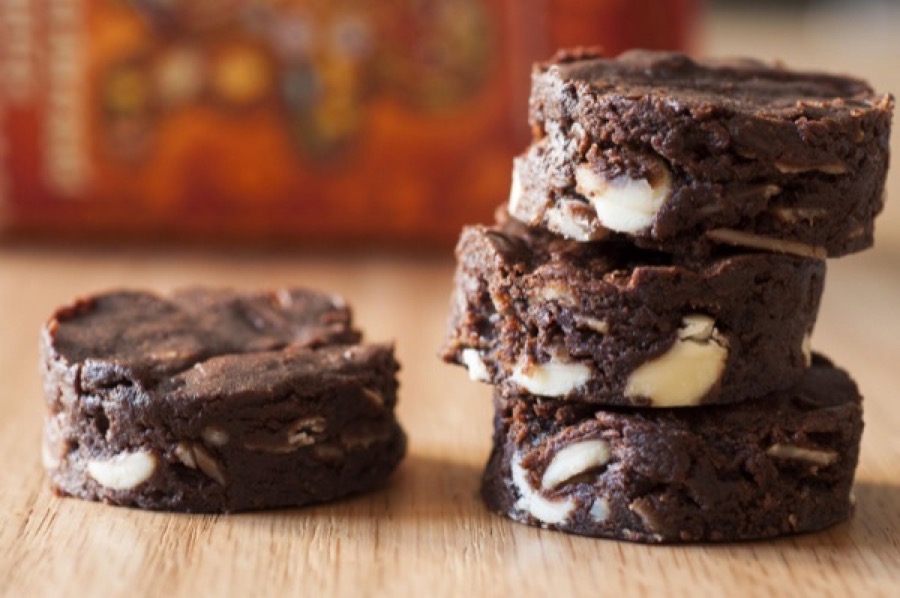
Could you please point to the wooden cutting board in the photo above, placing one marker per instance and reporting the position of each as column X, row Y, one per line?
column 426, row 533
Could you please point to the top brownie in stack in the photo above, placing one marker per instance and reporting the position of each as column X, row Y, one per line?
column 682, row 156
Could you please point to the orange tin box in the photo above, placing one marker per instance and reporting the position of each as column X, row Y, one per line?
column 303, row 120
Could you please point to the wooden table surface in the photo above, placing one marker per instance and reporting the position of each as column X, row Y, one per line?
column 426, row 533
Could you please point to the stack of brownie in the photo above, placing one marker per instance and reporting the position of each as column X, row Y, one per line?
column 644, row 304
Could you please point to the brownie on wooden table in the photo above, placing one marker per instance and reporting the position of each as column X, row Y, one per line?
column 758, row 469
column 216, row 401
column 682, row 155
column 608, row 324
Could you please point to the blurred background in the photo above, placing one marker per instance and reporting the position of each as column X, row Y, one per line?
column 311, row 121
column 170, row 143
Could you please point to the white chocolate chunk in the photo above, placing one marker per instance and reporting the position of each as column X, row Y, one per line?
column 284, row 298
column 185, row 454
column 193, row 455
column 623, row 204
column 520, row 479
column 550, row 511
column 473, row 362
column 806, row 349
column 790, row 451
column 516, row 192
column 742, row 239
column 798, row 214
column 829, row 168
column 643, row 509
column 338, row 301
column 552, row 379
column 214, row 436
column 696, row 327
column 48, row 458
column 599, row 511
column 571, row 219
column 574, row 460
column 208, row 465
column 686, row 372
column 598, row 326
column 553, row 290
column 124, row 471
column 302, row 432
column 542, row 509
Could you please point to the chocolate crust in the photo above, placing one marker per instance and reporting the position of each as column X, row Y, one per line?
column 744, row 146
column 216, row 401
column 709, row 474
column 524, row 299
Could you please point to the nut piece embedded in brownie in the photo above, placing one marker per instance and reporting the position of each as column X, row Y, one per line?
column 216, row 401
column 718, row 473
column 614, row 325
column 683, row 155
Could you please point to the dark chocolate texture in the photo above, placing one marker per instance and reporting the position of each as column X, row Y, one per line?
column 718, row 473
column 216, row 401
column 608, row 324
column 682, row 155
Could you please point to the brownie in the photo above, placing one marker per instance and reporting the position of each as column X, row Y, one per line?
column 216, row 401
column 716, row 473
column 609, row 324
column 684, row 155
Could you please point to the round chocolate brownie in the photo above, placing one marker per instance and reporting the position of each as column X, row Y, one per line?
column 717, row 473
column 216, row 401
column 682, row 155
column 609, row 324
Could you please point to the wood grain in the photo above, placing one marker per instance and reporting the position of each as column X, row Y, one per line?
column 426, row 533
